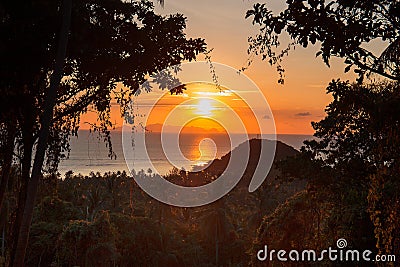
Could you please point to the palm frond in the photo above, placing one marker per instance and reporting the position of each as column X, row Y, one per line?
column 389, row 60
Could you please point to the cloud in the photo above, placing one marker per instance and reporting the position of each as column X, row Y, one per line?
column 221, row 93
column 303, row 114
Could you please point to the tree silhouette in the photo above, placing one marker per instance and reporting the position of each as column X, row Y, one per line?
column 358, row 143
column 112, row 47
column 341, row 27
column 354, row 164
column 45, row 122
column 216, row 226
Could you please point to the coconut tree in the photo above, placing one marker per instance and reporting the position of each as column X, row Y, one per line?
column 216, row 226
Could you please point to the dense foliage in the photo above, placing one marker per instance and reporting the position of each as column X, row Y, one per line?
column 344, row 184
column 102, row 220
column 342, row 28
column 352, row 171
column 107, row 220
column 61, row 59
column 352, row 168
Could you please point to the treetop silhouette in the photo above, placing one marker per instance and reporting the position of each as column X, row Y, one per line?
column 342, row 28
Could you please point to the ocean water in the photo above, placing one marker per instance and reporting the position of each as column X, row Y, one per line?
column 89, row 152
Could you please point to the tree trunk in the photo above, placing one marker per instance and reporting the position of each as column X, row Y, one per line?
column 23, row 183
column 46, row 121
column 5, row 169
column 3, row 237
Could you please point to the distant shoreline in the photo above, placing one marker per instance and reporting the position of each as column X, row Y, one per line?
column 89, row 153
column 119, row 130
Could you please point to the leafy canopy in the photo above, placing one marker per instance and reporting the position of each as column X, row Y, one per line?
column 342, row 28
column 113, row 46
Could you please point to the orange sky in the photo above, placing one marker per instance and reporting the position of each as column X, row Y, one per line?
column 294, row 105
column 203, row 106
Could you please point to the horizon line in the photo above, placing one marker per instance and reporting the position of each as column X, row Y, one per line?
column 206, row 131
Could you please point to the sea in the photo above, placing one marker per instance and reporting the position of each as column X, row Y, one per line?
column 89, row 152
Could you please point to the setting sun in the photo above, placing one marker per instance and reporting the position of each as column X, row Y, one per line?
column 204, row 107
column 202, row 100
